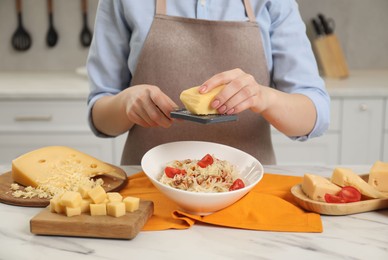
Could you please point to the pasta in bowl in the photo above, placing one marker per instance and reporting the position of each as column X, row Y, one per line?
column 201, row 190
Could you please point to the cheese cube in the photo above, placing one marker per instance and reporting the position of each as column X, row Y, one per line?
column 56, row 206
column 98, row 209
column 378, row 176
column 346, row 177
column 73, row 211
column 315, row 187
column 114, row 197
column 71, row 199
column 131, row 203
column 85, row 205
column 97, row 194
column 83, row 190
column 116, row 209
column 198, row 103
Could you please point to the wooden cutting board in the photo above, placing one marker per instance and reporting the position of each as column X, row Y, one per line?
column 111, row 183
column 85, row 225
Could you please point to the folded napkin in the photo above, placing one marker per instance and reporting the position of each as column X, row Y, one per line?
column 268, row 206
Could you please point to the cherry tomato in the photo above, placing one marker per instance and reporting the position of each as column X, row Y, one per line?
column 205, row 161
column 237, row 184
column 350, row 194
column 330, row 198
column 171, row 171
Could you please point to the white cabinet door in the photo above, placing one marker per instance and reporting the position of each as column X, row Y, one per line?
column 317, row 151
column 362, row 125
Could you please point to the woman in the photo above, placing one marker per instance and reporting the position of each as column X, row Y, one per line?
column 144, row 53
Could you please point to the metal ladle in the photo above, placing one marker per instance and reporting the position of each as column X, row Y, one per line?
column 52, row 35
column 21, row 39
column 86, row 33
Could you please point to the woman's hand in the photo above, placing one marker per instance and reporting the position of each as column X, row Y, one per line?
column 145, row 105
column 148, row 106
column 240, row 93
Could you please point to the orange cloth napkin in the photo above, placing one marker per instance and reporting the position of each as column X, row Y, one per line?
column 268, row 206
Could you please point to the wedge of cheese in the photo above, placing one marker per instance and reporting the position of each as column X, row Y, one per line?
column 315, row 187
column 197, row 103
column 346, row 177
column 378, row 176
column 50, row 163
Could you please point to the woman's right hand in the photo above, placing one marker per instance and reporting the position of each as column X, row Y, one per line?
column 147, row 106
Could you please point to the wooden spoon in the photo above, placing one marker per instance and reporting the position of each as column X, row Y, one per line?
column 21, row 39
column 52, row 35
column 86, row 33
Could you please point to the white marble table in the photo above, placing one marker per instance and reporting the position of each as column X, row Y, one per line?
column 359, row 236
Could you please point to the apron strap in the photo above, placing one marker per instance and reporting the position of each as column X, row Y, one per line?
column 161, row 9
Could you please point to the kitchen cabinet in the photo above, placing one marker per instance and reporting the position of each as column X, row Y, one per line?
column 29, row 124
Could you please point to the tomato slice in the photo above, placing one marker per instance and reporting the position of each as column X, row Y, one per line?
column 350, row 194
column 237, row 184
column 205, row 161
column 330, row 198
column 171, row 171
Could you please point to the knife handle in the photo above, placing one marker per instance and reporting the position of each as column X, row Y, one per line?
column 327, row 28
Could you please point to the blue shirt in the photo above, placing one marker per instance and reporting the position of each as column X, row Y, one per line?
column 122, row 25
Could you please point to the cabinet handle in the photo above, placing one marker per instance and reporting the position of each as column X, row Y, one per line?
column 33, row 118
column 363, row 107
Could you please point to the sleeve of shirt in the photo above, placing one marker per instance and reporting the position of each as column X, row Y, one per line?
column 294, row 65
column 107, row 60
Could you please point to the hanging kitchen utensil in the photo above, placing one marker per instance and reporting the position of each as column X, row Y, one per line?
column 21, row 39
column 86, row 33
column 52, row 35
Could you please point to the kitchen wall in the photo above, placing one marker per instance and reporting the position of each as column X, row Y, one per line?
column 360, row 26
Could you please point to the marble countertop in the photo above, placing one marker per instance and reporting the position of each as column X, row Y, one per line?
column 74, row 85
column 358, row 236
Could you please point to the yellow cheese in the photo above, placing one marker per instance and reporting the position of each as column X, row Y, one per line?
column 73, row 211
column 98, row 209
column 114, row 197
column 83, row 190
column 346, row 177
column 131, row 203
column 97, row 194
column 56, row 206
column 51, row 163
column 71, row 199
column 315, row 187
column 85, row 205
column 378, row 176
column 198, row 103
column 115, row 209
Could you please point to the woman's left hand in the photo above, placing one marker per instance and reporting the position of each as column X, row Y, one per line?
column 240, row 93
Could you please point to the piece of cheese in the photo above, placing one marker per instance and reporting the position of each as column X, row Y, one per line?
column 131, row 203
column 56, row 206
column 114, row 197
column 315, row 187
column 85, row 205
column 51, row 163
column 98, row 209
column 97, row 194
column 197, row 103
column 378, row 176
column 71, row 199
column 346, row 177
column 70, row 211
column 83, row 190
column 115, row 209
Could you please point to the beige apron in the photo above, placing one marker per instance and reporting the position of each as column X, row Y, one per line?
column 179, row 53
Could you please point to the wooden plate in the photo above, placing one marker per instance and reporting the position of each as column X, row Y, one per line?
column 336, row 209
column 111, row 183
column 85, row 225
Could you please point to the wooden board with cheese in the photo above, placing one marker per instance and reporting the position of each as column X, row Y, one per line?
column 85, row 225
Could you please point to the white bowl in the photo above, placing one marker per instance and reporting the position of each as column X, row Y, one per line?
column 200, row 203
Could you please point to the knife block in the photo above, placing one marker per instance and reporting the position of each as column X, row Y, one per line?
column 330, row 56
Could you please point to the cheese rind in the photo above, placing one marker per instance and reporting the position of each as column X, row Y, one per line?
column 346, row 177
column 315, row 187
column 378, row 176
column 197, row 103
column 40, row 166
